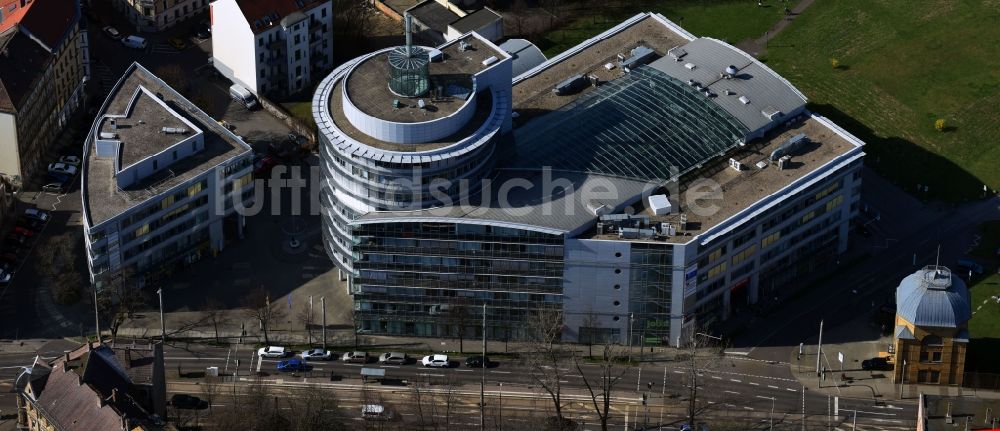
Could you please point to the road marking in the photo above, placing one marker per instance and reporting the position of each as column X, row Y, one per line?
column 734, row 380
column 731, row 392
column 747, row 408
column 772, row 386
column 465, row 371
column 500, row 372
column 678, row 372
column 717, row 377
column 732, row 406
column 895, row 421
column 755, row 383
column 791, row 390
column 577, row 375
column 431, row 375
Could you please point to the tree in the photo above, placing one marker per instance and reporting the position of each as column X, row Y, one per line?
column 711, row 350
column 214, row 315
column 257, row 303
column 600, row 391
column 305, row 317
column 545, row 361
column 834, row 63
column 458, row 315
column 433, row 409
column 119, row 298
column 940, row 124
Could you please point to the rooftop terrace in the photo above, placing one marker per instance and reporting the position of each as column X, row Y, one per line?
column 103, row 199
column 368, row 84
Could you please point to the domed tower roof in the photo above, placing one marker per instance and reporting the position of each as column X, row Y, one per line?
column 934, row 297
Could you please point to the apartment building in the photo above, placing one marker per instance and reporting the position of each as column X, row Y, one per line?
column 44, row 66
column 159, row 15
column 643, row 184
column 272, row 47
column 162, row 182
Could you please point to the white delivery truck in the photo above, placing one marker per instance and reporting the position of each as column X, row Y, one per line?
column 244, row 96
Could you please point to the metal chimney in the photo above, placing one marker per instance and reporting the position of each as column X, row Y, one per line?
column 407, row 18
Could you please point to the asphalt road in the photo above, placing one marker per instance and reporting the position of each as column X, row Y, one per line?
column 736, row 387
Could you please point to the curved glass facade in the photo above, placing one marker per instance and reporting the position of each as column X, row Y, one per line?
column 637, row 126
column 409, row 71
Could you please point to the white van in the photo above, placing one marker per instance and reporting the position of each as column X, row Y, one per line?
column 243, row 96
column 375, row 412
column 134, row 42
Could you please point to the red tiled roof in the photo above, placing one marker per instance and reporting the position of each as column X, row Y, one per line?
column 268, row 13
column 51, row 21
column 12, row 12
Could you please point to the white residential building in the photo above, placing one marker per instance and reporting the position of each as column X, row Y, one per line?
column 162, row 181
column 272, row 47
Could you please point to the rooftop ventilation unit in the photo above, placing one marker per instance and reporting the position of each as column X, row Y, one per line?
column 761, row 164
column 735, row 164
column 435, row 55
column 677, row 53
column 598, row 210
column 790, row 146
column 490, row 60
column 744, row 100
column 660, row 205
column 463, row 46
column 784, row 162
column 570, row 85
column 684, row 221
column 175, row 130
column 731, row 71
column 689, row 66
column 421, row 104
column 114, row 124
column 729, row 92
column 109, row 135
column 640, row 55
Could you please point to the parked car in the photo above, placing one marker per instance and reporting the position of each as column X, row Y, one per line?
column 4, row 277
column 376, row 412
column 355, row 357
column 37, row 214
column 437, row 361
column 202, row 30
column 178, row 43
column 27, row 233
column 477, row 362
column 134, row 42
column 316, row 355
column 112, row 32
column 264, row 165
column 292, row 365
column 394, row 358
column 58, row 187
column 30, row 224
column 876, row 364
column 62, row 168
column 70, row 160
column 272, row 352
column 14, row 238
column 244, row 96
column 191, row 402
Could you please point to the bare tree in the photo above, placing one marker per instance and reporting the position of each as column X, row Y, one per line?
column 305, row 317
column 459, row 316
column 215, row 315
column 546, row 359
column 257, row 303
column 433, row 407
column 592, row 322
column 704, row 353
column 120, row 298
column 316, row 408
column 600, row 391
column 210, row 387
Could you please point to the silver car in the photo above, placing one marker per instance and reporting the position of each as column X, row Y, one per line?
column 356, row 357
column 394, row 358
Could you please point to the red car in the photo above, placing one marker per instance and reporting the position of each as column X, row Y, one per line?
column 27, row 233
column 264, row 165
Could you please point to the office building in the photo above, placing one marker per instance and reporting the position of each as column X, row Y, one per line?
column 44, row 67
column 162, row 182
column 643, row 183
column 272, row 47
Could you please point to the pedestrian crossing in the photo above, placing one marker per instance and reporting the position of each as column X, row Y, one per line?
column 162, row 48
column 104, row 76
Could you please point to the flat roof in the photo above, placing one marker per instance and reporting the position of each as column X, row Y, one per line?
column 103, row 199
column 528, row 205
column 368, row 83
column 141, row 131
column 533, row 94
column 433, row 15
column 751, row 185
column 476, row 20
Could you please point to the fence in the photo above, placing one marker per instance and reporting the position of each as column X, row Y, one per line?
column 293, row 123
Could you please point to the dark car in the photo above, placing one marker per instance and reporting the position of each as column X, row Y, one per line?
column 30, row 224
column 184, row 401
column 477, row 362
column 876, row 364
column 202, row 31
column 16, row 239
column 293, row 365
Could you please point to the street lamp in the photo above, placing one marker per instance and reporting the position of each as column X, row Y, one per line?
column 500, row 409
column 902, row 380
column 770, row 417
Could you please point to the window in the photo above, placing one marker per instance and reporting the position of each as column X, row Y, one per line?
column 716, row 254
column 618, row 254
column 834, row 203
column 155, row 165
column 142, row 230
column 809, row 216
column 243, row 181
column 298, row 70
column 175, row 154
column 260, row 42
column 743, row 255
column 618, row 271
column 166, row 202
column 194, row 189
column 322, row 12
column 717, row 269
column 770, row 239
column 298, row 40
column 298, row 55
column 194, row 146
column 263, row 73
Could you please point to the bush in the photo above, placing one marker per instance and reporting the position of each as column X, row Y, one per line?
column 834, row 63
column 940, row 124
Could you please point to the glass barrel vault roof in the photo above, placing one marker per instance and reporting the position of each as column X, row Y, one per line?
column 636, row 126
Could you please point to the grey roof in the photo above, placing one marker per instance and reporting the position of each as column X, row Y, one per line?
column 526, row 55
column 529, row 204
column 765, row 89
column 432, row 15
column 476, row 20
column 903, row 333
column 933, row 297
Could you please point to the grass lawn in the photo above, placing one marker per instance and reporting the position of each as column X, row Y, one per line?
column 985, row 322
column 302, row 111
column 729, row 20
column 903, row 65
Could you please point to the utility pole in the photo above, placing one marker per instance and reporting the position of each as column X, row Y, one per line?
column 163, row 328
column 803, row 408
column 482, row 381
column 97, row 317
column 631, row 321
column 322, row 303
column 819, row 347
column 902, row 380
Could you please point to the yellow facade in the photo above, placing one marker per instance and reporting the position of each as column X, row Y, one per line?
column 933, row 356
